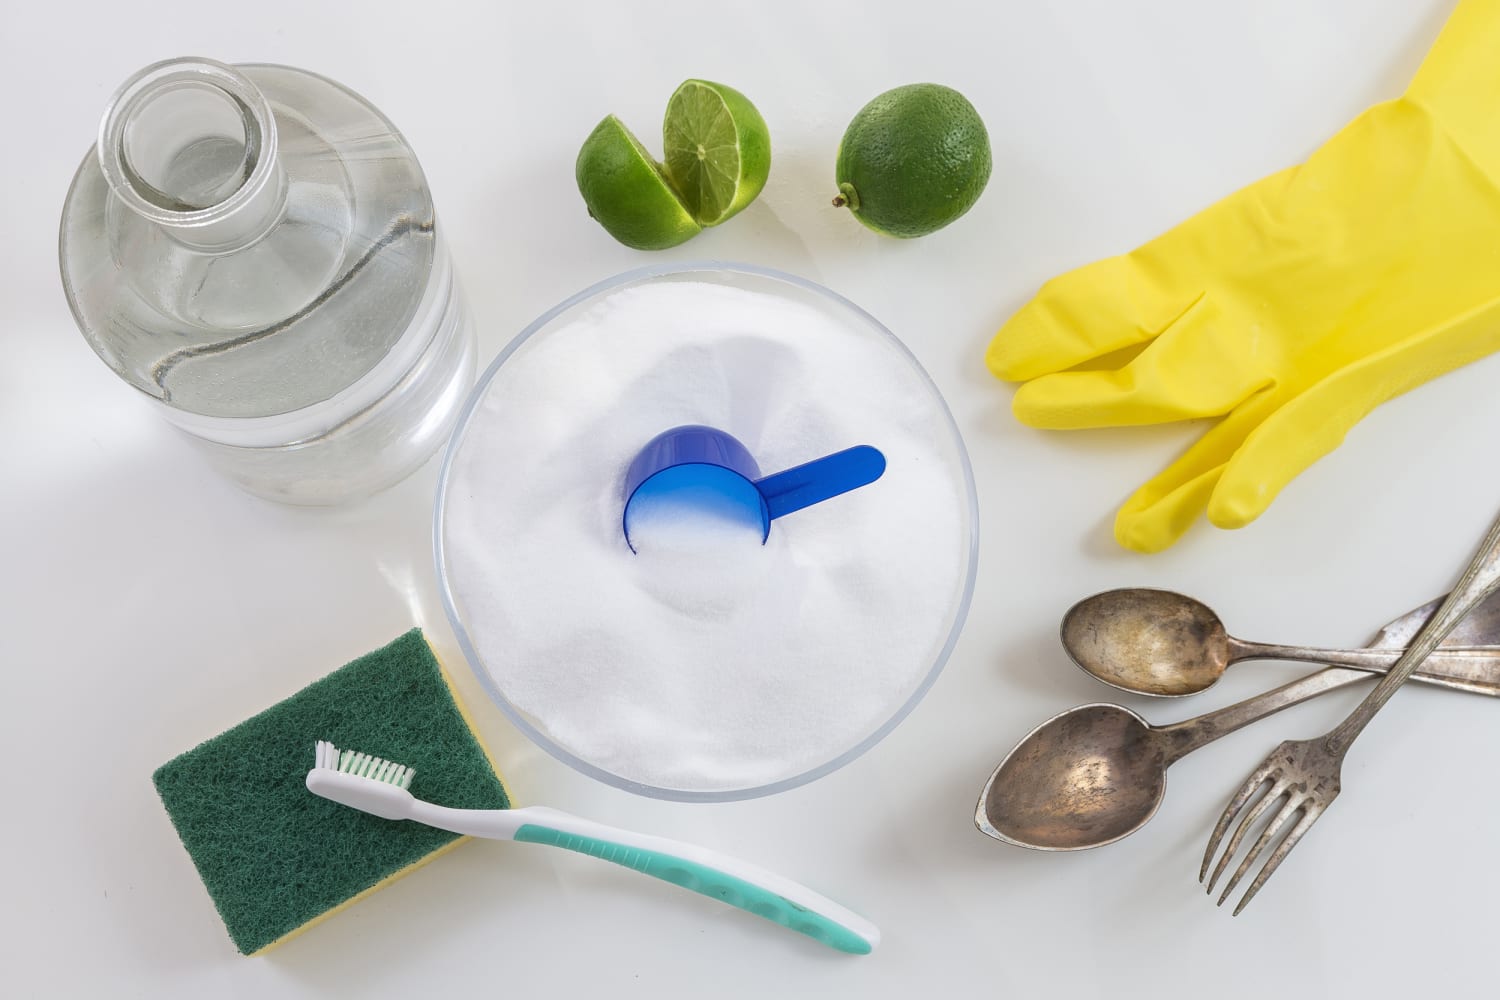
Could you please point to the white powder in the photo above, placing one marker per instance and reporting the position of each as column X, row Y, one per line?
column 707, row 662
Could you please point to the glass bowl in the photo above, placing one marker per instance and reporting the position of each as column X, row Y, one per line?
column 478, row 629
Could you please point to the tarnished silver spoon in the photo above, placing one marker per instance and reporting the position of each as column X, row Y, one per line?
column 1165, row 644
column 1097, row 773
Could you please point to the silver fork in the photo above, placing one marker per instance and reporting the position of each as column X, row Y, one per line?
column 1301, row 777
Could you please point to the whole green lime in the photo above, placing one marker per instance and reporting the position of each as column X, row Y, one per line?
column 913, row 160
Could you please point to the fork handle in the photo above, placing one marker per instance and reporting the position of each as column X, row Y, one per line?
column 1480, row 579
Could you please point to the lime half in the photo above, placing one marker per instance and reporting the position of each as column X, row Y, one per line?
column 627, row 193
column 718, row 149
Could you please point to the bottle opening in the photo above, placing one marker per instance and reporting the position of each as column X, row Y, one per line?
column 191, row 145
column 186, row 146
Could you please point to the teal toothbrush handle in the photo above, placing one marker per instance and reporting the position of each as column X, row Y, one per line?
column 730, row 881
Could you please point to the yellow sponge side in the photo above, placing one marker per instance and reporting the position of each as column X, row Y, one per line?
column 315, row 921
column 463, row 713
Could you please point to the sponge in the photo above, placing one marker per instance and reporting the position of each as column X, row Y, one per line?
column 277, row 859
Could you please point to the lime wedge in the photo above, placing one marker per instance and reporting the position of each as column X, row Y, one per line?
column 718, row 149
column 627, row 193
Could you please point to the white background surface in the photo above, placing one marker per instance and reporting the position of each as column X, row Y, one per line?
column 148, row 605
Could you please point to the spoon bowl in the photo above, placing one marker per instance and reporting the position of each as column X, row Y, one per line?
column 1154, row 642
column 1082, row 779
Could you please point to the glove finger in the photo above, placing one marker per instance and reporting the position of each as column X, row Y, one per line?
column 1151, row 527
column 1123, row 301
column 1158, row 513
column 1295, row 437
column 1316, row 421
column 1460, row 71
column 1095, row 310
column 1203, row 365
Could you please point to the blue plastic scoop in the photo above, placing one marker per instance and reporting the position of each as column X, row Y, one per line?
column 711, row 471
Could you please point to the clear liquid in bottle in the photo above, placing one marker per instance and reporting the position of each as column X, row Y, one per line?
column 255, row 249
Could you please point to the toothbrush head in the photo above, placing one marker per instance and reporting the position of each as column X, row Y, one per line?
column 362, row 765
column 371, row 784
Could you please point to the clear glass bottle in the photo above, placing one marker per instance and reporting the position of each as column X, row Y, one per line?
column 255, row 249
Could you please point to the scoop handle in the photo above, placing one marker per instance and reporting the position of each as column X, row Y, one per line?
column 821, row 479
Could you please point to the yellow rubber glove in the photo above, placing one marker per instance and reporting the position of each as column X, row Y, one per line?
column 1293, row 307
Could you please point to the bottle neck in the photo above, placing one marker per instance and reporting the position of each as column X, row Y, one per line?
column 190, row 144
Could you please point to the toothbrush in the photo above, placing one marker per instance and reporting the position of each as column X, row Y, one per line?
column 380, row 788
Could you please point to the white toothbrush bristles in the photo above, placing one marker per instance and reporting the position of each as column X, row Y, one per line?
column 362, row 765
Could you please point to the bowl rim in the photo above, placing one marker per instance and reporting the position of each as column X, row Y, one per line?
column 475, row 662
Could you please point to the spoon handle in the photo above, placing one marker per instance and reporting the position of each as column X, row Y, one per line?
column 1182, row 738
column 1474, row 670
column 1480, row 578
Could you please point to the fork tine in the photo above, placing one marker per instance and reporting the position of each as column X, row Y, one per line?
column 1272, row 796
column 1251, row 785
column 1310, row 815
column 1275, row 826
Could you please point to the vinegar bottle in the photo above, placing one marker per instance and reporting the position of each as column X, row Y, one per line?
column 254, row 249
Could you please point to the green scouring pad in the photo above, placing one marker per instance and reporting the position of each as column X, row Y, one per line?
column 276, row 858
